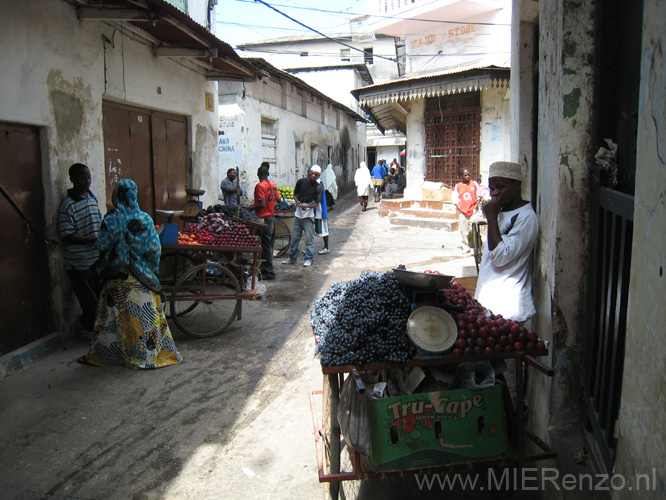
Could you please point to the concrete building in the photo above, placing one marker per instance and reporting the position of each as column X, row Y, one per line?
column 453, row 101
column 128, row 88
column 582, row 73
column 338, row 64
column 286, row 122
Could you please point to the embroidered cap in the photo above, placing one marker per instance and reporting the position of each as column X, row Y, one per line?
column 506, row 169
column 315, row 168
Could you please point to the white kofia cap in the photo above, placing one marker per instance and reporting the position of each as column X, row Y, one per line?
column 316, row 168
column 506, row 169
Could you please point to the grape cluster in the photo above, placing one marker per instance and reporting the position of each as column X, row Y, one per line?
column 363, row 321
column 230, row 211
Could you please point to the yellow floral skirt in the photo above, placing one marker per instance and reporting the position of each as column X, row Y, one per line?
column 131, row 328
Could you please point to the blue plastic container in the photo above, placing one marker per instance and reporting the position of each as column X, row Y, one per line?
column 169, row 235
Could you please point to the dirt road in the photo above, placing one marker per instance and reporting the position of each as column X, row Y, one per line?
column 232, row 421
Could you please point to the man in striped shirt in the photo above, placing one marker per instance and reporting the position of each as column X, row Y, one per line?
column 79, row 221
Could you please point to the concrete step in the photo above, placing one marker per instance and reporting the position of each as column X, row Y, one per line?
column 389, row 208
column 440, row 224
column 424, row 213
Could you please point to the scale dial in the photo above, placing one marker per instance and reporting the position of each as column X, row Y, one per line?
column 432, row 329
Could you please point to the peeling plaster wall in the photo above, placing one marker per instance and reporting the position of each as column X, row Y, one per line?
column 133, row 76
column 56, row 71
column 564, row 162
column 641, row 445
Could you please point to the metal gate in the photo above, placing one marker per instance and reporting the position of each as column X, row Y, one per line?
column 452, row 143
column 604, row 343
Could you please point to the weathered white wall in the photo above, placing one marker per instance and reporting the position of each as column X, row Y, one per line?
column 641, row 445
column 495, row 128
column 565, row 153
column 323, row 52
column 415, row 155
column 301, row 140
column 57, row 70
column 484, row 41
column 336, row 84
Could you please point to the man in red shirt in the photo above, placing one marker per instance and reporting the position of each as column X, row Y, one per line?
column 465, row 199
column 265, row 197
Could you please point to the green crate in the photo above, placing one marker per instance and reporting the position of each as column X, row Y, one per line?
column 437, row 428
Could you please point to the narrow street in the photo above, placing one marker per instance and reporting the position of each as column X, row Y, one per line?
column 233, row 420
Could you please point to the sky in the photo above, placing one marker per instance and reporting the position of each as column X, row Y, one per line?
column 245, row 21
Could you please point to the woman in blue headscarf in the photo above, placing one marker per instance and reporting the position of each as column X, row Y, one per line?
column 131, row 328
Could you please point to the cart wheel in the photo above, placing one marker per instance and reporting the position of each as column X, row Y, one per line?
column 331, row 429
column 172, row 267
column 203, row 301
column 282, row 238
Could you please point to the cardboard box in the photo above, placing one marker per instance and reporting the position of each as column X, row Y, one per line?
column 441, row 194
column 437, row 428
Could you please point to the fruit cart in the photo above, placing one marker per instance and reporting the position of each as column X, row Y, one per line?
column 206, row 280
column 497, row 436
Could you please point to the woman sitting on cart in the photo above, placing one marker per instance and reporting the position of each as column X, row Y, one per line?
column 130, row 328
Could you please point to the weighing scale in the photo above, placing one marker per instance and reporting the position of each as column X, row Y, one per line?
column 168, row 232
column 193, row 206
column 432, row 329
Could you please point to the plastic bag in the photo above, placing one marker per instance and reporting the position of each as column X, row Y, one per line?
column 477, row 375
column 259, row 288
column 329, row 181
column 354, row 417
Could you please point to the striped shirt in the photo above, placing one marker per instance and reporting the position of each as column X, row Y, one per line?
column 79, row 215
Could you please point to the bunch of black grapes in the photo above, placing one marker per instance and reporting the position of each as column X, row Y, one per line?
column 230, row 211
column 363, row 321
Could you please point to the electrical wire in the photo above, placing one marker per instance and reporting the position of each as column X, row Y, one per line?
column 320, row 33
column 378, row 15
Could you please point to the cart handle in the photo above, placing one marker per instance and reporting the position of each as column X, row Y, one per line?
column 530, row 360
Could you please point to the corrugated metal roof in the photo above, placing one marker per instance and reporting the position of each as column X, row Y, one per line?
column 174, row 33
column 433, row 84
column 383, row 101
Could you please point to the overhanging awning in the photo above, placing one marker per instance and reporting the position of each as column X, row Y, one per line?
column 172, row 34
column 388, row 103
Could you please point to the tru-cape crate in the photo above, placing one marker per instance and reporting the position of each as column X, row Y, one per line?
column 436, row 428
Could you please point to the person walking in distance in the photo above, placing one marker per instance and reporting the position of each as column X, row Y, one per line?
column 321, row 221
column 307, row 195
column 465, row 199
column 79, row 221
column 265, row 197
column 363, row 182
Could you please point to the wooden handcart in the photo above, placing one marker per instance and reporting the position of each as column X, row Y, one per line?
column 332, row 450
column 205, row 285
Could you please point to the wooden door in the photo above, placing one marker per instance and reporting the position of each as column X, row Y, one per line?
column 25, row 284
column 151, row 148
